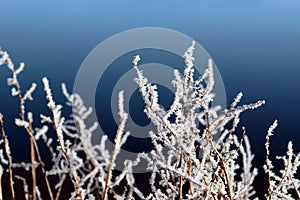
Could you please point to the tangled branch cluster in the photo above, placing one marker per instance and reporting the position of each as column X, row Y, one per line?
column 197, row 151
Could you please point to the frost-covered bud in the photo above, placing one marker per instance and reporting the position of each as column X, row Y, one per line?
column 21, row 123
column 136, row 59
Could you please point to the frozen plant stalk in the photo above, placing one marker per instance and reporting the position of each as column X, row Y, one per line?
column 174, row 161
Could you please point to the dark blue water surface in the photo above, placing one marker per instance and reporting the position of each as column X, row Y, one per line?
column 255, row 44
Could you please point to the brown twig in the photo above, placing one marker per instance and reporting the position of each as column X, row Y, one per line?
column 222, row 161
column 113, row 156
column 7, row 152
column 75, row 177
column 295, row 187
column 33, row 144
column 56, row 126
column 33, row 168
column 224, row 168
column 29, row 131
column 37, row 151
column 60, row 187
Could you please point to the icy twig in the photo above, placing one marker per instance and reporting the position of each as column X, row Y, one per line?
column 119, row 140
column 8, row 155
column 58, row 123
column 26, row 123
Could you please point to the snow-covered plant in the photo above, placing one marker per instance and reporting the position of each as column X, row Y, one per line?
column 186, row 151
column 198, row 151
column 281, row 185
column 88, row 166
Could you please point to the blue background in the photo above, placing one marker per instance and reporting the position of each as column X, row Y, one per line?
column 255, row 44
